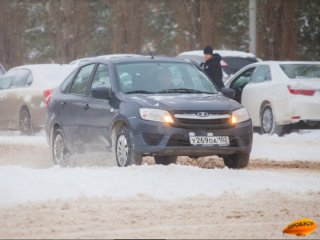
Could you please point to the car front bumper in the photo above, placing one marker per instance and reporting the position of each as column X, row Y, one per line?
column 155, row 138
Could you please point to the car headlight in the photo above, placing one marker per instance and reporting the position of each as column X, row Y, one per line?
column 239, row 115
column 157, row 115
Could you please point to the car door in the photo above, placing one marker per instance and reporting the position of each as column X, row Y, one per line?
column 5, row 84
column 73, row 105
column 240, row 82
column 257, row 91
column 99, row 114
column 12, row 85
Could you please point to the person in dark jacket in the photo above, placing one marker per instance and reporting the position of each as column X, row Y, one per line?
column 212, row 66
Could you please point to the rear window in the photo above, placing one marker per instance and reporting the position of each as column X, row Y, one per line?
column 233, row 64
column 299, row 71
column 52, row 76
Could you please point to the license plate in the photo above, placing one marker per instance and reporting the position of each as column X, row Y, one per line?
column 209, row 140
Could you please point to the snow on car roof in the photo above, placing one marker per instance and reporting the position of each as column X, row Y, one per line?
column 291, row 62
column 223, row 53
column 108, row 56
column 48, row 74
column 276, row 63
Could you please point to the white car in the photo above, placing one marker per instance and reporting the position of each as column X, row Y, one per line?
column 231, row 61
column 278, row 94
column 23, row 91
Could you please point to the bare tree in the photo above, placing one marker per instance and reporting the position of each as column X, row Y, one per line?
column 186, row 15
column 198, row 23
column 12, row 25
column 70, row 28
column 127, row 25
column 277, row 29
column 210, row 14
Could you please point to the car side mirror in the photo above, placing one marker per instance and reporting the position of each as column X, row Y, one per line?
column 228, row 92
column 101, row 93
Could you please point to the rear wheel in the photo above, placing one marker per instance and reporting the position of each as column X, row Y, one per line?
column 268, row 122
column 238, row 160
column 165, row 160
column 59, row 150
column 25, row 124
column 124, row 149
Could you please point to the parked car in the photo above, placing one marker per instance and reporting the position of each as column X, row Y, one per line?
column 278, row 94
column 140, row 106
column 22, row 90
column 231, row 61
column 2, row 70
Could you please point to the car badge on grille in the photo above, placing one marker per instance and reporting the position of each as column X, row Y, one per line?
column 202, row 114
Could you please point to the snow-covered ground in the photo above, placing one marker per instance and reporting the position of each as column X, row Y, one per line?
column 204, row 200
column 300, row 146
column 19, row 184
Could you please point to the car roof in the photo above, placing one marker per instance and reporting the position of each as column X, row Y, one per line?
column 222, row 53
column 42, row 67
column 139, row 59
column 81, row 61
column 47, row 75
column 289, row 62
column 274, row 63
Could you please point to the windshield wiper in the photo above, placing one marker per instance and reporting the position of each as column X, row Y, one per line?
column 139, row 91
column 182, row 90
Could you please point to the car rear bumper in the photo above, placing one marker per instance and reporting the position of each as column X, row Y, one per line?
column 154, row 138
column 306, row 108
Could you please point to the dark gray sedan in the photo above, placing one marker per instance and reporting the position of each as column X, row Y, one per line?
column 146, row 106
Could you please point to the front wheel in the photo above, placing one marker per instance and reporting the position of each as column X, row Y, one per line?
column 25, row 123
column 236, row 161
column 59, row 150
column 124, row 149
column 165, row 160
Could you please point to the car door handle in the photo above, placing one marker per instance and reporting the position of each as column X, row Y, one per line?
column 86, row 107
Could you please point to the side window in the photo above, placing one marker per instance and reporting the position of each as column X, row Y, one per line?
column 67, row 82
column 7, row 79
column 22, row 78
column 101, row 77
column 81, row 81
column 243, row 79
column 261, row 74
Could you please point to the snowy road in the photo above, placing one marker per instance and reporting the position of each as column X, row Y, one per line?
column 190, row 200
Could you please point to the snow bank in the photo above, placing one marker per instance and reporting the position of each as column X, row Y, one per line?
column 303, row 145
column 15, row 138
column 18, row 184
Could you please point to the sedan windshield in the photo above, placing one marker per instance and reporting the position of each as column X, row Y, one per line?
column 301, row 71
column 162, row 77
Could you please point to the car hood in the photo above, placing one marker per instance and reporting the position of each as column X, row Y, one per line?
column 186, row 102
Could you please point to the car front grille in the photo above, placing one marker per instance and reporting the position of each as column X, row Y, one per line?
column 206, row 120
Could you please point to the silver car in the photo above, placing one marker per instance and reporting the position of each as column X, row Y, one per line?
column 23, row 91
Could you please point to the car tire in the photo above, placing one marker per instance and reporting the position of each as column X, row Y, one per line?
column 25, row 123
column 124, row 149
column 268, row 122
column 236, row 161
column 165, row 160
column 59, row 151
